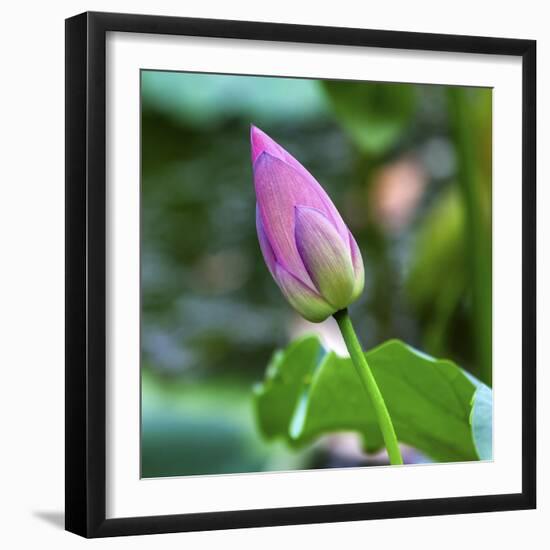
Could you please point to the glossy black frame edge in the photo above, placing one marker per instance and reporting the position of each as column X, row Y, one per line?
column 85, row 490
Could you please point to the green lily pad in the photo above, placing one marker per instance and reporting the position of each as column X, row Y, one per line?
column 436, row 407
column 482, row 421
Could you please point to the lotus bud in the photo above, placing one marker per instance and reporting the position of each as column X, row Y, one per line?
column 306, row 245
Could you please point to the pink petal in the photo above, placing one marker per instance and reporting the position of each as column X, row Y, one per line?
column 265, row 247
column 302, row 298
column 261, row 142
column 278, row 189
column 358, row 268
column 325, row 255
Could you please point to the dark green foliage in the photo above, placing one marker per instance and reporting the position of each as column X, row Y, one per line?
column 374, row 116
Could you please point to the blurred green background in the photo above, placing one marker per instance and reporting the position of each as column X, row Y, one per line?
column 408, row 166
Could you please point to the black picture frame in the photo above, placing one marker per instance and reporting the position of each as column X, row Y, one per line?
column 86, row 274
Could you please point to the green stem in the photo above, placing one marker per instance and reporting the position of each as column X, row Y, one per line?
column 370, row 385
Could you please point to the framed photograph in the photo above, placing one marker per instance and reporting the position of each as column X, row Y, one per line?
column 300, row 274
